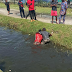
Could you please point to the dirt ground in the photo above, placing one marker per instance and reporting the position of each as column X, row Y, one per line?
column 14, row 13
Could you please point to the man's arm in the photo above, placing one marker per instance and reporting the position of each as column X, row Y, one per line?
column 66, row 7
column 51, row 5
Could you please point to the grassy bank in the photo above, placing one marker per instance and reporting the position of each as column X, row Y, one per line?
column 45, row 10
column 62, row 34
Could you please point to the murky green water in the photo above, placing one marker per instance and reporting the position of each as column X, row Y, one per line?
column 18, row 54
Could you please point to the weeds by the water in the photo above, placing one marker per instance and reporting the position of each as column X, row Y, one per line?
column 62, row 34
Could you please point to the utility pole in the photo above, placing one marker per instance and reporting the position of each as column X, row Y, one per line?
column 38, row 2
column 14, row 1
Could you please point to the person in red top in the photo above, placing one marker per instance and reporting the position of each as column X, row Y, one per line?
column 21, row 8
column 38, row 38
column 30, row 4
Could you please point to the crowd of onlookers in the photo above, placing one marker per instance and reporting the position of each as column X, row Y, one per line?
column 31, row 6
column 42, row 36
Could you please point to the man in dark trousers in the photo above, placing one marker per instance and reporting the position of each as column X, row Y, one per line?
column 30, row 4
column 21, row 9
column 8, row 6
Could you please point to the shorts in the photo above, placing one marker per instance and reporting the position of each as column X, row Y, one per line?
column 8, row 9
column 53, row 13
column 45, row 41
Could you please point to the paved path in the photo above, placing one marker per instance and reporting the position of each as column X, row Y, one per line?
column 42, row 18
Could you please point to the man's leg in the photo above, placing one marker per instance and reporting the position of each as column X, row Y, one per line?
column 27, row 15
column 60, row 18
column 63, row 19
column 56, row 19
column 30, row 12
column 23, row 13
column 35, row 15
column 8, row 11
column 52, row 19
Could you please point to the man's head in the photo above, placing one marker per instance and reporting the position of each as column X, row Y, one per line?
column 5, row 0
column 44, row 29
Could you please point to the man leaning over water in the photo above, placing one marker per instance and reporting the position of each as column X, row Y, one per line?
column 45, row 35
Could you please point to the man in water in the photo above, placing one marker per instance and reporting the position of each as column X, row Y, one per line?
column 8, row 6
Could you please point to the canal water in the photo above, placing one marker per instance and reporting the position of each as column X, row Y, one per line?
column 18, row 54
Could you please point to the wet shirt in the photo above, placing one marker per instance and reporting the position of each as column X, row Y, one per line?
column 38, row 37
column 20, row 6
column 54, row 8
column 63, row 8
column 7, row 4
column 45, row 34
column 31, row 4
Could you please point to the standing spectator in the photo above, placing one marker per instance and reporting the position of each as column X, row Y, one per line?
column 21, row 9
column 63, row 11
column 54, row 10
column 8, row 6
column 30, row 4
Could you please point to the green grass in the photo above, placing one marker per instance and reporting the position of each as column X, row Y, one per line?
column 45, row 10
column 62, row 34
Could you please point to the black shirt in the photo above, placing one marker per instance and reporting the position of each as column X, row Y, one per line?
column 54, row 8
column 7, row 4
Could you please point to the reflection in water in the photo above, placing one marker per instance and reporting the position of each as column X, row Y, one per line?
column 36, row 49
column 18, row 54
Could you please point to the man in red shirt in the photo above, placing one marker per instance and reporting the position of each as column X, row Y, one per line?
column 38, row 38
column 21, row 8
column 30, row 4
